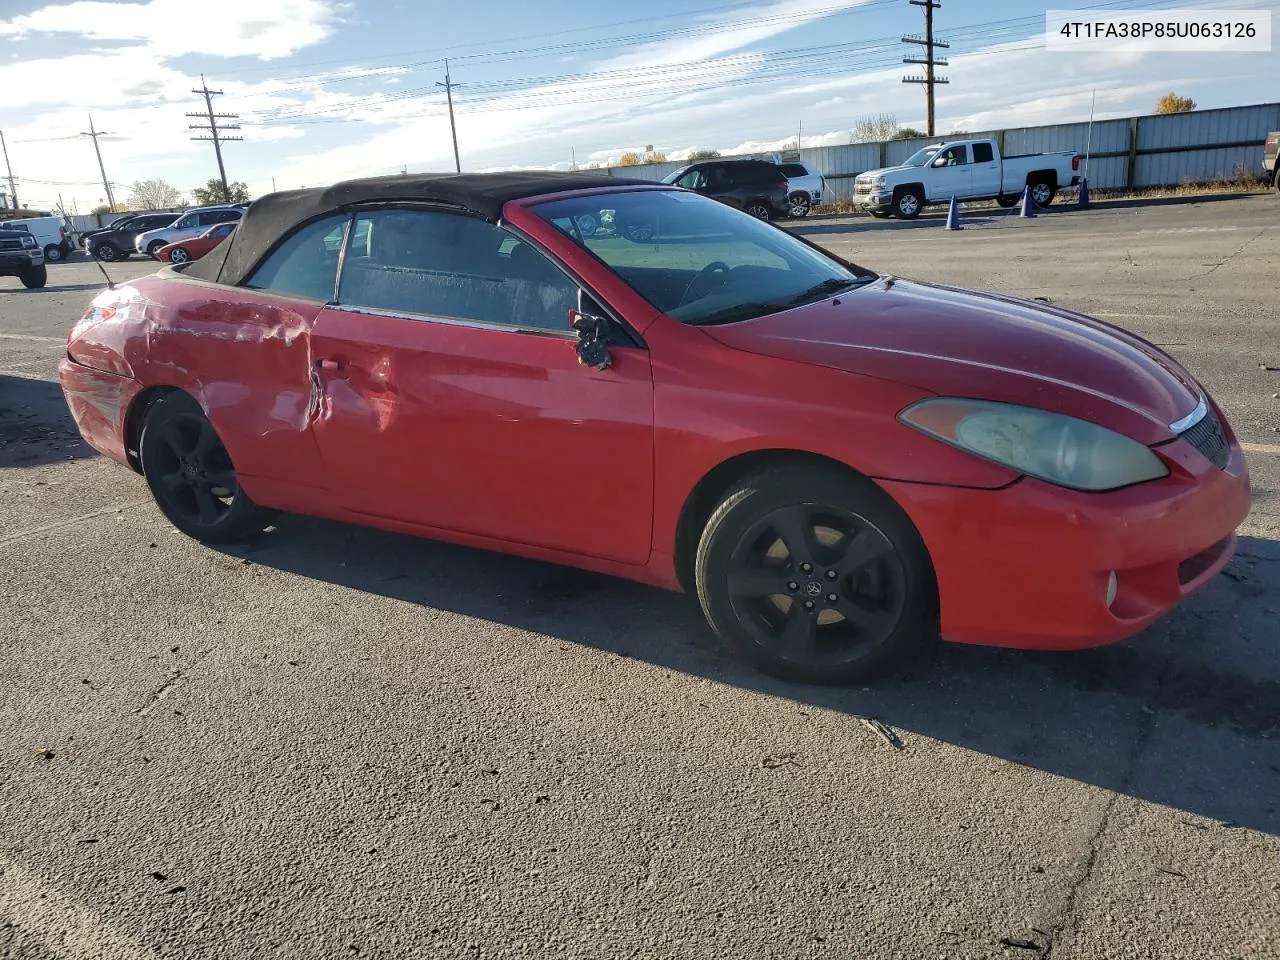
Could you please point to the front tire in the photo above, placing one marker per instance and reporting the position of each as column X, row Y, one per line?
column 908, row 204
column 106, row 252
column 33, row 278
column 799, row 204
column 53, row 253
column 191, row 475
column 815, row 575
column 179, row 255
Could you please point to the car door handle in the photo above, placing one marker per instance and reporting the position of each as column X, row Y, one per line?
column 331, row 365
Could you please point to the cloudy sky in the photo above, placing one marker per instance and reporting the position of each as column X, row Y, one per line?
column 334, row 88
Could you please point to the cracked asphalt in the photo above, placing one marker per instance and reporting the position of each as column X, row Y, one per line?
column 339, row 742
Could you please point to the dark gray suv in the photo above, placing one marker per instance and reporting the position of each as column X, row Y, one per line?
column 116, row 242
column 756, row 186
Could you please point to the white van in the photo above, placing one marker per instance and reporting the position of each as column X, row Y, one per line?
column 50, row 232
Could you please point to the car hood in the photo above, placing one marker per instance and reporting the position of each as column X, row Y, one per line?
column 954, row 342
column 872, row 174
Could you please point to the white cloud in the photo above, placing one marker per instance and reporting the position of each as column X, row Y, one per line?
column 247, row 28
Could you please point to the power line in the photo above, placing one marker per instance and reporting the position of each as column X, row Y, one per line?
column 774, row 66
column 215, row 134
column 94, row 135
column 929, row 79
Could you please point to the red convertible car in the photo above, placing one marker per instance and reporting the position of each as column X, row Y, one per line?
column 632, row 378
column 193, row 248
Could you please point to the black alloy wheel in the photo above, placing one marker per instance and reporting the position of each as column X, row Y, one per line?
column 815, row 576
column 191, row 474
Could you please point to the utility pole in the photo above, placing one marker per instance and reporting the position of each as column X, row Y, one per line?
column 106, row 184
column 929, row 80
column 453, row 128
column 13, row 191
column 215, row 133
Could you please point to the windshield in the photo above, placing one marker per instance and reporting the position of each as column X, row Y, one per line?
column 674, row 175
column 921, row 157
column 698, row 260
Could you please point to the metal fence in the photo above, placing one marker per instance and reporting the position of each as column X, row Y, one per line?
column 1133, row 152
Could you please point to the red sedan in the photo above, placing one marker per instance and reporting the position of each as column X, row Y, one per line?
column 634, row 379
column 193, row 248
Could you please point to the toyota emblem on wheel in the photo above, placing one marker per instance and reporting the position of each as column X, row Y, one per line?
column 813, row 588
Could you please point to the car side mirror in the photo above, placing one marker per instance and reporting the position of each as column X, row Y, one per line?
column 592, row 346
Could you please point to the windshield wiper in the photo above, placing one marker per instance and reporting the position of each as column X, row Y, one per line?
column 826, row 288
column 739, row 311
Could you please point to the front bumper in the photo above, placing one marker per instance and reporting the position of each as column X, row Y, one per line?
column 877, row 200
column 1028, row 566
column 99, row 403
column 14, row 262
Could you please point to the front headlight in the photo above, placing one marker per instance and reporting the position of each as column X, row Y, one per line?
column 1051, row 446
column 29, row 242
column 878, row 183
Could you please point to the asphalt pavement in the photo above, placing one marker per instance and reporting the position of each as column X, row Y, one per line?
column 338, row 742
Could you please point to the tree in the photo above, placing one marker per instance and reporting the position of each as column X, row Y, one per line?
column 153, row 194
column 908, row 133
column 703, row 155
column 630, row 159
column 872, row 129
column 212, row 192
column 655, row 156
column 1172, row 103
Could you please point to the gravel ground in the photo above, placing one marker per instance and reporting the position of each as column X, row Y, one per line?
column 339, row 742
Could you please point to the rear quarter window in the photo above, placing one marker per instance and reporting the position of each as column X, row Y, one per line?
column 790, row 170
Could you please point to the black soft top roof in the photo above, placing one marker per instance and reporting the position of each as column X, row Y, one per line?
column 484, row 194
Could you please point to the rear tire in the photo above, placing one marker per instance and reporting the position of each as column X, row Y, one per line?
column 760, row 210
column 33, row 278
column 191, row 474
column 53, row 253
column 772, row 599
column 153, row 247
column 1042, row 192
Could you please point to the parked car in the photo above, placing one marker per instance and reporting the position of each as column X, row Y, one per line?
column 50, row 233
column 184, row 251
column 21, row 256
column 804, row 187
column 756, row 186
column 117, row 241
column 837, row 463
column 965, row 170
column 190, row 224
column 1269, row 151
column 86, row 234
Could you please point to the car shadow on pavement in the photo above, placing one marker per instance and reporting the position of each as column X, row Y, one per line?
column 1169, row 717
column 36, row 428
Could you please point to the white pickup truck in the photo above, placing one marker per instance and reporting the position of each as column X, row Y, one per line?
column 966, row 170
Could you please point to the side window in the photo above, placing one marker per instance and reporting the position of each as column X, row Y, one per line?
column 306, row 264
column 982, row 153
column 222, row 230
column 190, row 220
column 952, row 157
column 792, row 170
column 446, row 265
column 210, row 217
column 692, row 180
